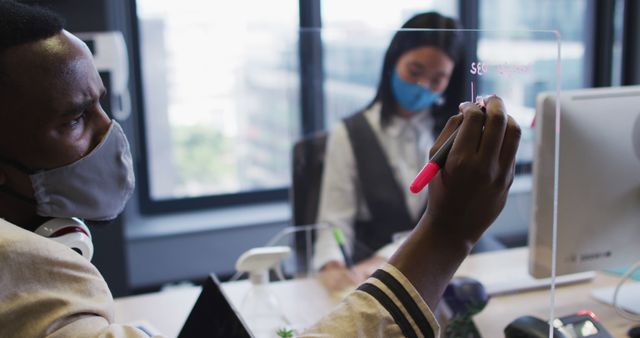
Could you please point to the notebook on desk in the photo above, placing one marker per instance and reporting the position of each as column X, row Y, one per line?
column 213, row 315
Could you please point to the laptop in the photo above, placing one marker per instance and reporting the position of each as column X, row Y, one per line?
column 213, row 315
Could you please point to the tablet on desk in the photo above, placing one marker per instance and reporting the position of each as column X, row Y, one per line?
column 213, row 315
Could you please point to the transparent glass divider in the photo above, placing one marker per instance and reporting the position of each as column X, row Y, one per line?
column 521, row 67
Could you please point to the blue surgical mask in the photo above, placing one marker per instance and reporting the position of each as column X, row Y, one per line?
column 410, row 96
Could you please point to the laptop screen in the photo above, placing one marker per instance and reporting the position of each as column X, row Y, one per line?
column 213, row 315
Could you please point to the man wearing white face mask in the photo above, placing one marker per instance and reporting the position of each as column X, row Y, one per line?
column 95, row 186
column 62, row 160
column 61, row 157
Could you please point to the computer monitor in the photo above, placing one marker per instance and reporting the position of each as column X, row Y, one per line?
column 598, row 221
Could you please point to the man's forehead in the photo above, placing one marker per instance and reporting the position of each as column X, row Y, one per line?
column 50, row 55
column 57, row 70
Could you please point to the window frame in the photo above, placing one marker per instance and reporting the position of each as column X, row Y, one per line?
column 630, row 73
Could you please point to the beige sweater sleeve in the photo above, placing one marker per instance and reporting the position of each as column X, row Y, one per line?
column 386, row 305
column 48, row 290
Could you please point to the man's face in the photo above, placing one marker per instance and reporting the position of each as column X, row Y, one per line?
column 51, row 115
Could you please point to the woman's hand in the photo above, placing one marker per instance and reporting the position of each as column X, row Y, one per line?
column 336, row 277
column 364, row 269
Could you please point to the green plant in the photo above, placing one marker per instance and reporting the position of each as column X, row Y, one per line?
column 285, row 333
column 462, row 326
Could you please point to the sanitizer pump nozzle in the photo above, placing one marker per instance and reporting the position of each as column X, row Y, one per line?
column 260, row 307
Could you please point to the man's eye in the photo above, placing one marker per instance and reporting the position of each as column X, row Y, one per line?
column 77, row 120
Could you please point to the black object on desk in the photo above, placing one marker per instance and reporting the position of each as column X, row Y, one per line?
column 582, row 324
column 530, row 327
column 463, row 298
column 213, row 315
column 634, row 332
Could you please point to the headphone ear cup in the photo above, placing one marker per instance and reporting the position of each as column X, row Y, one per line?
column 78, row 242
column 70, row 232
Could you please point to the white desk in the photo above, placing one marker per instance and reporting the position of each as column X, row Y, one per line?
column 304, row 302
column 168, row 310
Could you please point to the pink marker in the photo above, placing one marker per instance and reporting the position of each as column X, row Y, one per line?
column 438, row 160
column 433, row 166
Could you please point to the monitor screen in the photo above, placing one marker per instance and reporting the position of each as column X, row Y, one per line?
column 598, row 205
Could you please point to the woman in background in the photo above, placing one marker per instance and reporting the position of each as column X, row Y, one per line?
column 373, row 155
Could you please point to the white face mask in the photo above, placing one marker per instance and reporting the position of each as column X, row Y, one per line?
column 96, row 187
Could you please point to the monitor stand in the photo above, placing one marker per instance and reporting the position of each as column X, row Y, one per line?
column 628, row 297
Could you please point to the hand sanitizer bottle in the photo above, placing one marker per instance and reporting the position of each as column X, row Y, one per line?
column 260, row 307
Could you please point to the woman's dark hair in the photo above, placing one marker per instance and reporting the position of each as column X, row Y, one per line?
column 410, row 37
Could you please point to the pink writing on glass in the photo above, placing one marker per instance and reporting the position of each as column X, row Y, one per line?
column 509, row 69
column 502, row 69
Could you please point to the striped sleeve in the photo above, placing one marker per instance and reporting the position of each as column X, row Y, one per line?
column 411, row 312
column 386, row 305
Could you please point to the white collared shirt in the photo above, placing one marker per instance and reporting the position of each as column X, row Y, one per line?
column 405, row 142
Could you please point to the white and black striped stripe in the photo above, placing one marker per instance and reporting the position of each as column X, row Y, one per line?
column 406, row 302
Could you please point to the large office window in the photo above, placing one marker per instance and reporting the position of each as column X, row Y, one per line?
column 220, row 93
column 354, row 47
column 568, row 17
column 531, row 52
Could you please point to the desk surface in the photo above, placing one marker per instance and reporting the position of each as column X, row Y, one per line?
column 168, row 310
column 569, row 299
